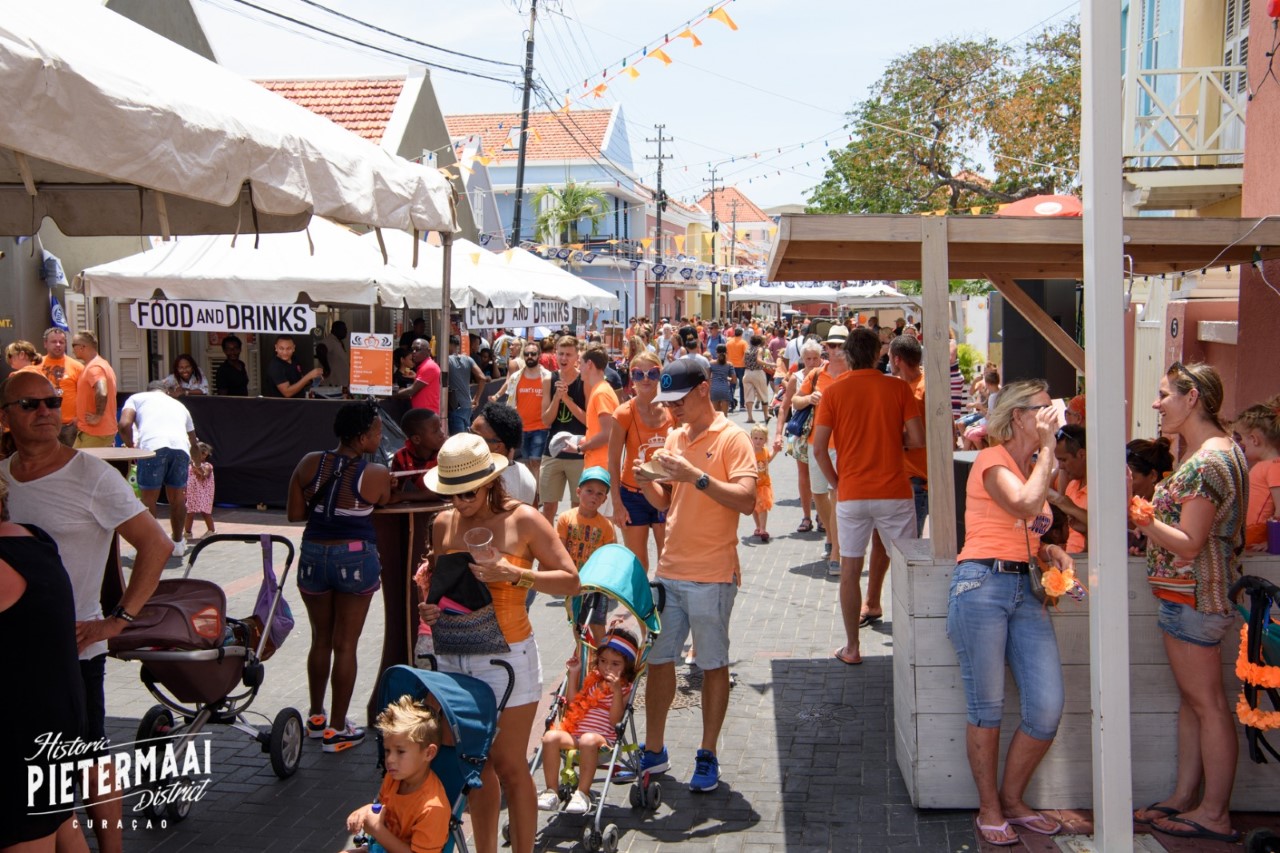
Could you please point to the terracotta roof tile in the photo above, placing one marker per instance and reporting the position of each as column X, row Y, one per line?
column 580, row 135
column 725, row 198
column 362, row 106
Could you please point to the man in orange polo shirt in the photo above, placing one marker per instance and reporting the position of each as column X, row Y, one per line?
column 63, row 372
column 710, row 482
column 877, row 416
column 601, row 402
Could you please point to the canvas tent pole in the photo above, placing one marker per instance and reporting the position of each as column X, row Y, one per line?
column 935, row 291
column 446, row 314
column 1100, row 161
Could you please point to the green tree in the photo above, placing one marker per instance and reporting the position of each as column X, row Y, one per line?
column 562, row 218
column 942, row 112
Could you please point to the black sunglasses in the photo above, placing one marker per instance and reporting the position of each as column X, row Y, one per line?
column 653, row 374
column 30, row 404
column 465, row 496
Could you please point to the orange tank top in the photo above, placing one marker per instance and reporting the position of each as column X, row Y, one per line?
column 529, row 402
column 508, row 604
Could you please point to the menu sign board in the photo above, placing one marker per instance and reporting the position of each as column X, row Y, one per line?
column 371, row 362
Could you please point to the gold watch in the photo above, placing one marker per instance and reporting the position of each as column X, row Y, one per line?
column 525, row 581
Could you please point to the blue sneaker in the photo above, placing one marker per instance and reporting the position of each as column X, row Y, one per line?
column 706, row 772
column 654, row 762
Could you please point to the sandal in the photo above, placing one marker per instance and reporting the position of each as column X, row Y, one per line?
column 806, row 526
column 821, row 528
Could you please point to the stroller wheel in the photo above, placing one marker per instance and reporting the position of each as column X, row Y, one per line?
column 286, row 742
column 653, row 796
column 592, row 841
column 179, row 809
column 610, row 839
column 637, row 796
column 156, row 724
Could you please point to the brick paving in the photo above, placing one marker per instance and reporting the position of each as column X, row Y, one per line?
column 806, row 755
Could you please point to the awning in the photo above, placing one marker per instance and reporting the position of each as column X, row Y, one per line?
column 111, row 129
column 547, row 280
column 875, row 295
column 778, row 293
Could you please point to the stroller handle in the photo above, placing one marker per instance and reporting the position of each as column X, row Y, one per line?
column 511, row 682
column 248, row 538
column 661, row 598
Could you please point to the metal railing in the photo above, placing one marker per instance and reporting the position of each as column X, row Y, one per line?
column 1180, row 117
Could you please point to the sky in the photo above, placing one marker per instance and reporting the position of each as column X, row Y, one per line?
column 763, row 104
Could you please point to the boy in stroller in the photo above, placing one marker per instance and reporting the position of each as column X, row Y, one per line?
column 590, row 721
column 412, row 812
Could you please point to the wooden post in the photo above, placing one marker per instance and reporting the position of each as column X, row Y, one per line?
column 1100, row 168
column 939, row 428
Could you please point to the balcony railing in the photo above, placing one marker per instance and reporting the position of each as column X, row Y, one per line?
column 1180, row 117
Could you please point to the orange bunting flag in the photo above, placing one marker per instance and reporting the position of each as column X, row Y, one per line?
column 484, row 160
column 537, row 137
column 688, row 34
column 679, row 238
column 598, row 91
column 633, row 72
column 646, row 242
column 975, row 210
column 467, row 169
column 507, row 255
column 723, row 17
column 658, row 53
column 475, row 258
column 565, row 108
column 773, row 229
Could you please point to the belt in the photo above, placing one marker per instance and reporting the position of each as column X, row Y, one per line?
column 1008, row 567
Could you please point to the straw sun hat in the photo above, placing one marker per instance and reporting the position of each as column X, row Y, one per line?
column 463, row 464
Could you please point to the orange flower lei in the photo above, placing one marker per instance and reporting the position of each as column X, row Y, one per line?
column 1259, row 675
column 1256, row 718
column 586, row 697
column 1141, row 512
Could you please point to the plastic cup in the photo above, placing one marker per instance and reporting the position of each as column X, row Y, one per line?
column 1273, row 536
column 479, row 542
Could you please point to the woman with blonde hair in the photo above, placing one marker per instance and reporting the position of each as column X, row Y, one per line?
column 22, row 355
column 640, row 427
column 1194, row 526
column 992, row 616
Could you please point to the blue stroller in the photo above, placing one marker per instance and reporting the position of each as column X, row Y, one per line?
column 612, row 575
column 471, row 715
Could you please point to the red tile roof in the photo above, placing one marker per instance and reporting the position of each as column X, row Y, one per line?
column 361, row 106
column 578, row 135
column 725, row 199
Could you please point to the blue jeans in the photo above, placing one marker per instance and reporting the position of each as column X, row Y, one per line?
column 920, row 493
column 742, row 391
column 460, row 420
column 992, row 617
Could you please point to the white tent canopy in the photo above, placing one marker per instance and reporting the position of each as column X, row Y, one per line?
column 281, row 268
column 110, row 128
column 875, row 295
column 783, row 292
column 469, row 284
column 547, row 280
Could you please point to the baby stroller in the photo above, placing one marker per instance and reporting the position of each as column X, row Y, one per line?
column 195, row 659
column 471, row 716
column 614, row 572
column 1259, row 657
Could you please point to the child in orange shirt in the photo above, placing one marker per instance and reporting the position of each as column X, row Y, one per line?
column 583, row 529
column 412, row 812
column 764, row 483
column 1259, row 429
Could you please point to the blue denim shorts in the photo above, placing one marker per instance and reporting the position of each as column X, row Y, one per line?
column 702, row 609
column 640, row 513
column 167, row 468
column 349, row 567
column 534, row 443
column 1184, row 622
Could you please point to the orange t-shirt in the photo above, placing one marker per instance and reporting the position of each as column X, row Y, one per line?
column 97, row 368
column 582, row 536
column 64, row 373
column 702, row 534
column 529, row 402
column 866, row 412
column 736, row 350
column 918, row 457
column 641, row 441
column 419, row 818
column 601, row 402
column 1079, row 495
column 1263, row 477
column 990, row 532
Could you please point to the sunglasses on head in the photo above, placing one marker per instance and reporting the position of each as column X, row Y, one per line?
column 653, row 374
column 30, row 404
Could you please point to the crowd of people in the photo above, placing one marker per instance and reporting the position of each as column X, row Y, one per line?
column 640, row 445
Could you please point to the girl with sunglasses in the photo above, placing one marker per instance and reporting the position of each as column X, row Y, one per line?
column 640, row 427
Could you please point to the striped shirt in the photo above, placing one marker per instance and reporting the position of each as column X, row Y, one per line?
column 598, row 701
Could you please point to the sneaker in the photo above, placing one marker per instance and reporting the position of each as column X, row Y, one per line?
column 654, row 762
column 833, row 568
column 706, row 773
column 579, row 803
column 179, row 548
column 826, row 550
column 316, row 724
column 548, row 801
column 337, row 741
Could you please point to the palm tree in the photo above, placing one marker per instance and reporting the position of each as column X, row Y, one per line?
column 559, row 219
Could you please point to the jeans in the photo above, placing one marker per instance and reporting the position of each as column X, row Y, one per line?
column 742, row 391
column 460, row 420
column 920, row 492
column 992, row 617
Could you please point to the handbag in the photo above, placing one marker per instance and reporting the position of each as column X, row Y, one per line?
column 474, row 633
column 801, row 420
column 1035, row 574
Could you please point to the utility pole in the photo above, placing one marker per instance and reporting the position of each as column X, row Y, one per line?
column 715, row 226
column 524, row 125
column 733, row 235
column 661, row 206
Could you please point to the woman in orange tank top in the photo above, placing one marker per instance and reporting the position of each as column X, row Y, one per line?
column 640, row 427
column 469, row 476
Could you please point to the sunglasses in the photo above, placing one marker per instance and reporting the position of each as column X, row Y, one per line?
column 30, row 404
column 830, row 345
column 465, row 496
column 653, row 374
column 532, row 354
column 1063, row 435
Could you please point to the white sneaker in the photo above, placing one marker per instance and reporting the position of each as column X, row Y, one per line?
column 548, row 801
column 179, row 548
column 579, row 803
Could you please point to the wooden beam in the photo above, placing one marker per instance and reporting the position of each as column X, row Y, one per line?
column 1040, row 321
column 939, row 426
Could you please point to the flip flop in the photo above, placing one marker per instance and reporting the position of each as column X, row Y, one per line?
column 870, row 619
column 1037, row 822
column 998, row 841
column 1165, row 811
column 844, row 659
column 1196, row 831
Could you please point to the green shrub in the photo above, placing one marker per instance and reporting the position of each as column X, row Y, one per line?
column 971, row 361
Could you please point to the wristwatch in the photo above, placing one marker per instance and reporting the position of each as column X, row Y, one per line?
column 121, row 613
column 702, row 482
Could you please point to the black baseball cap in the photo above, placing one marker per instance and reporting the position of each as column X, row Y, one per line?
column 679, row 378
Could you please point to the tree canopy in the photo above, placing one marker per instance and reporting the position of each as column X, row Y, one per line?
column 961, row 124
column 569, row 206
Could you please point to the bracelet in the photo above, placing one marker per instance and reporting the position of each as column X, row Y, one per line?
column 525, row 581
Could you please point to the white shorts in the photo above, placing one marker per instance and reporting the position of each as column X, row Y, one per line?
column 523, row 657
column 895, row 519
column 818, row 484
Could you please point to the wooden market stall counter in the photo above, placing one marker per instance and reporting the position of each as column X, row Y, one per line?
column 929, row 704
